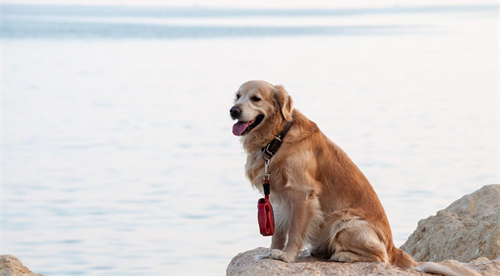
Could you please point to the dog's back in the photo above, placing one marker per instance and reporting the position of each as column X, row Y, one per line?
column 346, row 197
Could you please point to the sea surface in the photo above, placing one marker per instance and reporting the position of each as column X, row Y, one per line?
column 117, row 151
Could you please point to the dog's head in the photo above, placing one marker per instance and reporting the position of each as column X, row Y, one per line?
column 259, row 104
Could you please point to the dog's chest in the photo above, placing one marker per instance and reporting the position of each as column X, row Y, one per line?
column 255, row 168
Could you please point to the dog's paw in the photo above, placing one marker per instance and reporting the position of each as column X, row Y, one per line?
column 305, row 253
column 260, row 257
column 277, row 254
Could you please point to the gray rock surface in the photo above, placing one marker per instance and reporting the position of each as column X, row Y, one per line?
column 247, row 263
column 467, row 229
column 12, row 266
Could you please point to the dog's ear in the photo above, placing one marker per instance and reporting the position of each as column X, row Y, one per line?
column 283, row 102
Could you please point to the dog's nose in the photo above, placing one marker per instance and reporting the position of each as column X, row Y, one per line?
column 235, row 112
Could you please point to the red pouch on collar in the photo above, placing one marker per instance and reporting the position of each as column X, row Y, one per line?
column 265, row 216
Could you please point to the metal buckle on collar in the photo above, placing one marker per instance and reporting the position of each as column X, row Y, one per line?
column 268, row 152
column 266, row 175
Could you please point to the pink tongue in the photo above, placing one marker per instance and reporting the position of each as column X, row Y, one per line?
column 239, row 128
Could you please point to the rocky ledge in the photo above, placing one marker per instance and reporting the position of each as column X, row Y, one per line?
column 468, row 231
column 247, row 263
column 12, row 266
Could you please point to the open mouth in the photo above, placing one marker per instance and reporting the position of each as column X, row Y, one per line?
column 242, row 128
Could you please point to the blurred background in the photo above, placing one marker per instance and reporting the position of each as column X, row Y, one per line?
column 117, row 151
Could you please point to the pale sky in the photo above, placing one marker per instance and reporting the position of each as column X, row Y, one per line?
column 262, row 3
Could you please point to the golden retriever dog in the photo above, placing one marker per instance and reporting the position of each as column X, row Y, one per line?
column 320, row 197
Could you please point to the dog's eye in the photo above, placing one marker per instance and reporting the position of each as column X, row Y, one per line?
column 238, row 96
column 255, row 99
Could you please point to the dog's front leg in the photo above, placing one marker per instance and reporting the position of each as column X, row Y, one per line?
column 282, row 222
column 279, row 238
column 301, row 213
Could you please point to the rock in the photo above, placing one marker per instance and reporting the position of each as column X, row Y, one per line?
column 12, row 266
column 247, row 263
column 485, row 267
column 467, row 229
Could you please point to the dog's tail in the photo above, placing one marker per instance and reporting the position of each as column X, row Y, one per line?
column 401, row 259
column 446, row 268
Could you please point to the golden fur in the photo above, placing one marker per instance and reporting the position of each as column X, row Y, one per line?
column 320, row 196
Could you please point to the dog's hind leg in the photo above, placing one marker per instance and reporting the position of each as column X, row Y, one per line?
column 353, row 239
column 349, row 257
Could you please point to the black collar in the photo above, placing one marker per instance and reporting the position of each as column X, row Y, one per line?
column 271, row 148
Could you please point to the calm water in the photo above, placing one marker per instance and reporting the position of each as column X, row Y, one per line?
column 118, row 157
